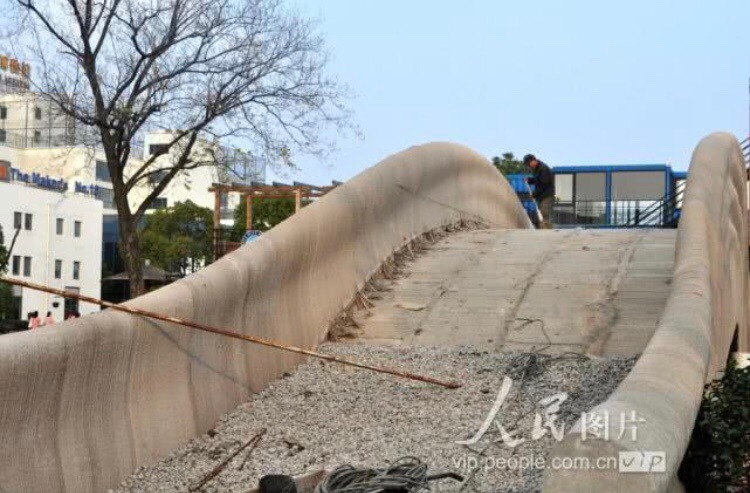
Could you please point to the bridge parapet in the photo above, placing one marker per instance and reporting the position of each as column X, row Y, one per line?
column 706, row 310
column 86, row 402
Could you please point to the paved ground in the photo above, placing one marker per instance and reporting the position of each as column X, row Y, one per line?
column 587, row 291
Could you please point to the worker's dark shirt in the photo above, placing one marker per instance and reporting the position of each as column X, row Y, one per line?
column 543, row 181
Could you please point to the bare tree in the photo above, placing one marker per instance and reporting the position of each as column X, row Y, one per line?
column 205, row 69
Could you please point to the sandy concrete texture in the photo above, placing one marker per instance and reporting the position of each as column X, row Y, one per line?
column 706, row 307
column 590, row 291
column 84, row 403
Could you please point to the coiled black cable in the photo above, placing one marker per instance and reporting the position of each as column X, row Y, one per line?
column 407, row 475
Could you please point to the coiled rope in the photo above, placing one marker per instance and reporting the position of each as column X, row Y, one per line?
column 407, row 474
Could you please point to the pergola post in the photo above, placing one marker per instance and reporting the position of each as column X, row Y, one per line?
column 261, row 191
column 217, row 222
column 248, row 212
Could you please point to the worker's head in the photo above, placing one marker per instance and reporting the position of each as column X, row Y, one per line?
column 530, row 160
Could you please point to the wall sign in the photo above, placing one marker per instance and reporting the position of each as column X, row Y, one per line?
column 4, row 171
column 87, row 189
column 39, row 180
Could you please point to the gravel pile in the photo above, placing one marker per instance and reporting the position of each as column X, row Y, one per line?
column 326, row 415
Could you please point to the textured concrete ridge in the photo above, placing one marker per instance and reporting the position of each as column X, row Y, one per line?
column 86, row 402
column 706, row 309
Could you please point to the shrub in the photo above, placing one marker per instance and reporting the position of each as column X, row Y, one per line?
column 718, row 456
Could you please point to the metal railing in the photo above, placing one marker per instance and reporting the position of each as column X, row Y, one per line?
column 580, row 213
column 745, row 144
column 46, row 137
column 594, row 213
column 23, row 138
column 664, row 213
column 237, row 166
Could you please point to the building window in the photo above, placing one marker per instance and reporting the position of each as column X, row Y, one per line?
column 27, row 266
column 158, row 148
column 71, row 304
column 106, row 195
column 27, row 221
column 102, row 171
column 16, row 265
column 77, row 229
column 158, row 203
column 17, row 220
column 637, row 185
column 3, row 136
column 37, row 137
column 76, row 270
column 60, row 226
column 16, row 300
column 38, row 113
column 156, row 177
column 3, row 113
column 564, row 189
column 58, row 269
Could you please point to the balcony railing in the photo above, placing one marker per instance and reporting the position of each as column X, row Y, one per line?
column 58, row 137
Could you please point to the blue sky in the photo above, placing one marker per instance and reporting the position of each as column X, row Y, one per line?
column 575, row 82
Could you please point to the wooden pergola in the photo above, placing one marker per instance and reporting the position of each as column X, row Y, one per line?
column 276, row 190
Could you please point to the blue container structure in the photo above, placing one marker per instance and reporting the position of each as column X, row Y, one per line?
column 608, row 196
column 518, row 182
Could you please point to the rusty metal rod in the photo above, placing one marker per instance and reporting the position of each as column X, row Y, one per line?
column 223, row 464
column 227, row 333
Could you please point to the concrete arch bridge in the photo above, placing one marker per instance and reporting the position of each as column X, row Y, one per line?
column 85, row 403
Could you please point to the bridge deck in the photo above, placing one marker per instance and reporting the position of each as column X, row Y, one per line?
column 588, row 291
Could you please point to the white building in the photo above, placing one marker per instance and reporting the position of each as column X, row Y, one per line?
column 59, row 243
column 38, row 140
column 36, row 137
column 237, row 167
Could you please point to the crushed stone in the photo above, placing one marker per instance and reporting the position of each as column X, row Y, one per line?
column 325, row 415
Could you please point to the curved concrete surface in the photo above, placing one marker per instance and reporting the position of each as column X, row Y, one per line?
column 86, row 402
column 552, row 291
column 707, row 306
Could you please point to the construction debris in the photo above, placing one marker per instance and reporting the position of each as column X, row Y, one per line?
column 323, row 416
column 223, row 464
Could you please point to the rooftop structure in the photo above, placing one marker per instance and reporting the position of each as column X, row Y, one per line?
column 612, row 195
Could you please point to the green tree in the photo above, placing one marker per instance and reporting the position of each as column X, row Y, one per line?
column 267, row 213
column 179, row 238
column 507, row 164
